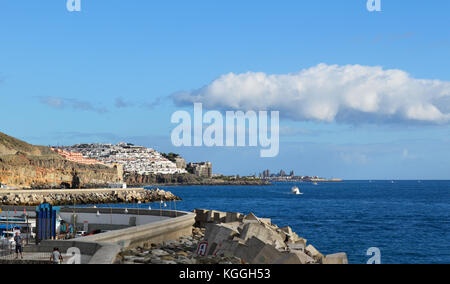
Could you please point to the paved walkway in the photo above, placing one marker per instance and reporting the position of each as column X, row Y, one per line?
column 40, row 257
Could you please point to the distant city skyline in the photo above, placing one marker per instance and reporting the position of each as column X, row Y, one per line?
column 361, row 95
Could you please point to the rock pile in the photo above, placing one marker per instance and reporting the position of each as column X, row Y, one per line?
column 233, row 238
column 182, row 251
column 86, row 198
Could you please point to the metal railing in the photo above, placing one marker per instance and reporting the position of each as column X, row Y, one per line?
column 8, row 253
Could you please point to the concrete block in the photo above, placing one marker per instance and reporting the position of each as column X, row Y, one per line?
column 232, row 217
column 219, row 217
column 201, row 216
column 314, row 253
column 289, row 258
column 301, row 241
column 251, row 218
column 210, row 216
column 295, row 257
column 254, row 246
column 297, row 246
column 233, row 225
column 287, row 230
column 264, row 234
column 200, row 211
column 266, row 255
column 220, row 231
column 289, row 235
column 303, row 257
column 229, row 217
column 239, row 240
column 337, row 258
column 216, row 234
column 266, row 221
column 230, row 248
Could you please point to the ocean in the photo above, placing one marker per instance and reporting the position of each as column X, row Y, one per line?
column 408, row 221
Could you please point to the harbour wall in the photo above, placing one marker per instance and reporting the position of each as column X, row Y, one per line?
column 83, row 197
column 172, row 225
column 163, row 225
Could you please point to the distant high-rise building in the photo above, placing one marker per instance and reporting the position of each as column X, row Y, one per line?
column 282, row 173
column 292, row 174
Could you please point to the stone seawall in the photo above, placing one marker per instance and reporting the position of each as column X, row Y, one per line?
column 133, row 179
column 83, row 197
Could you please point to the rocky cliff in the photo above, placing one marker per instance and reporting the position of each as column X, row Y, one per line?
column 23, row 165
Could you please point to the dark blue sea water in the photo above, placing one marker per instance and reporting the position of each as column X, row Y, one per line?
column 408, row 221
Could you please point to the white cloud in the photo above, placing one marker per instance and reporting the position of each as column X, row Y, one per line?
column 63, row 103
column 348, row 94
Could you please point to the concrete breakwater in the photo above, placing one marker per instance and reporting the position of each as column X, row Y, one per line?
column 83, row 197
column 134, row 179
column 233, row 238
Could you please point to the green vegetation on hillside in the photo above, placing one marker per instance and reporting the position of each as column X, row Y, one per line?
column 171, row 156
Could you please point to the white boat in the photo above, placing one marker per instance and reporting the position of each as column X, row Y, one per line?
column 295, row 190
column 315, row 183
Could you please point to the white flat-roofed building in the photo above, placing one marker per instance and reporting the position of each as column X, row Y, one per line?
column 137, row 159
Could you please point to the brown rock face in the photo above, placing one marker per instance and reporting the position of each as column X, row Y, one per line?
column 26, row 166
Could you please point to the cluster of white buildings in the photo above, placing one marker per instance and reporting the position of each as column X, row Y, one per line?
column 135, row 159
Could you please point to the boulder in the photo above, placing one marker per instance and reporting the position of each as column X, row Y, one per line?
column 159, row 253
column 140, row 260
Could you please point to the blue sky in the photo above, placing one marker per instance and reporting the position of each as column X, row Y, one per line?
column 109, row 72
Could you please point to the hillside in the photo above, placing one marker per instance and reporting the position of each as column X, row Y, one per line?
column 23, row 165
column 11, row 146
